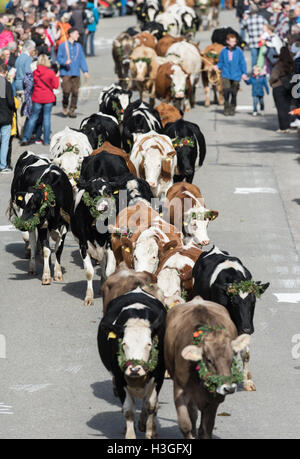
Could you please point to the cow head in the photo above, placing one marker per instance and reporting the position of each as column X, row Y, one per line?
column 99, row 188
column 217, row 352
column 195, row 223
column 120, row 102
column 178, row 81
column 240, row 306
column 69, row 162
column 142, row 68
column 155, row 166
column 186, row 158
column 29, row 203
column 146, row 253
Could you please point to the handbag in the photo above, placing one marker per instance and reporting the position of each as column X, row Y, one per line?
column 287, row 83
column 44, row 82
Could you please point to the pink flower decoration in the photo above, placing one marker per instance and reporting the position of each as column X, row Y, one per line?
column 197, row 368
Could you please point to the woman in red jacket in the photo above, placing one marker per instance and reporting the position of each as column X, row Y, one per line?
column 43, row 98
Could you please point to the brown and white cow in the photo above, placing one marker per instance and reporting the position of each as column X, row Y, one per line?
column 168, row 113
column 109, row 148
column 122, row 48
column 164, row 44
column 125, row 280
column 143, row 237
column 146, row 39
column 175, row 273
column 143, row 69
column 173, row 84
column 182, row 357
column 189, row 56
column 210, row 76
column 155, row 160
column 187, row 211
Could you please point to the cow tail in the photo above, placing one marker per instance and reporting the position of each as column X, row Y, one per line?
column 10, row 212
column 202, row 146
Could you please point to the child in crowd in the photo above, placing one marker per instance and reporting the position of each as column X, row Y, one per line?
column 258, row 83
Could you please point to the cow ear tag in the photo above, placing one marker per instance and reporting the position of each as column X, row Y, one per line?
column 112, row 335
column 127, row 249
column 185, row 223
column 116, row 192
column 20, row 198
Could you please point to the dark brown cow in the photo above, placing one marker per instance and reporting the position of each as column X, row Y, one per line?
column 164, row 44
column 211, row 77
column 182, row 357
column 168, row 113
column 109, row 148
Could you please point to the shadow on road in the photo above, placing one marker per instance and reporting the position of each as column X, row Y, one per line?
column 104, row 391
column 286, row 145
column 78, row 289
column 16, row 249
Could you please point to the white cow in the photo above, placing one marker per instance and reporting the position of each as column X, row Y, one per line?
column 171, row 23
column 155, row 160
column 190, row 59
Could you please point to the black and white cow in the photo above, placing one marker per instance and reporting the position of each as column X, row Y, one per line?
column 189, row 143
column 147, row 11
column 214, row 273
column 156, row 29
column 139, row 118
column 134, row 328
column 100, row 127
column 103, row 165
column 189, row 21
column 113, row 100
column 219, row 36
column 27, row 200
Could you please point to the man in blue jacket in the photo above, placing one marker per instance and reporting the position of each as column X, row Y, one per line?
column 233, row 67
column 92, row 21
column 71, row 58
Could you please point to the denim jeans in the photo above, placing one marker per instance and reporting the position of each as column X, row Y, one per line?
column 5, row 137
column 30, row 125
column 254, row 56
column 89, row 38
column 256, row 100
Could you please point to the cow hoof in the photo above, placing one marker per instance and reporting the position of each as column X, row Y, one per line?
column 206, row 105
column 46, row 281
column 167, row 376
column 89, row 301
column 249, row 386
column 130, row 436
column 58, row 278
column 142, row 426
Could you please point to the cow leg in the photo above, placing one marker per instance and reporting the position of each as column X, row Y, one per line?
column 89, row 272
column 43, row 238
column 215, row 95
column 220, row 90
column 32, row 261
column 248, row 384
column 148, row 414
column 129, row 414
column 193, row 413
column 206, row 89
column 25, row 236
column 184, row 420
column 111, row 263
column 208, row 416
column 58, row 276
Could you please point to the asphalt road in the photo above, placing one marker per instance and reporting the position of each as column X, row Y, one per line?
column 53, row 384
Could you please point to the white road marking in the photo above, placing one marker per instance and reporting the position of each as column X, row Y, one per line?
column 244, row 108
column 7, row 228
column 30, row 388
column 73, row 370
column 255, row 190
column 288, row 297
column 5, row 409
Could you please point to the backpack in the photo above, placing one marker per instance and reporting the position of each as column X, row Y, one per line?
column 89, row 17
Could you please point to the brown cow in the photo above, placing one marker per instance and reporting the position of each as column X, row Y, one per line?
column 125, row 280
column 164, row 44
column 121, row 51
column 168, row 113
column 173, row 84
column 183, row 356
column 109, row 148
column 175, row 273
column 186, row 210
column 139, row 236
column 210, row 76
column 143, row 69
column 146, row 39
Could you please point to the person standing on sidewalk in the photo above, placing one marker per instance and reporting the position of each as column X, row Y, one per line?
column 7, row 108
column 92, row 27
column 259, row 83
column 233, row 67
column 254, row 24
column 71, row 58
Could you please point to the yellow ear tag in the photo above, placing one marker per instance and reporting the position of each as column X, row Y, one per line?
column 127, row 250
column 20, row 198
column 112, row 335
column 168, row 159
column 172, row 305
column 185, row 223
column 116, row 192
column 171, row 248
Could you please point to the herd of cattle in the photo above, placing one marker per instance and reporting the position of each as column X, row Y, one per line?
column 123, row 184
